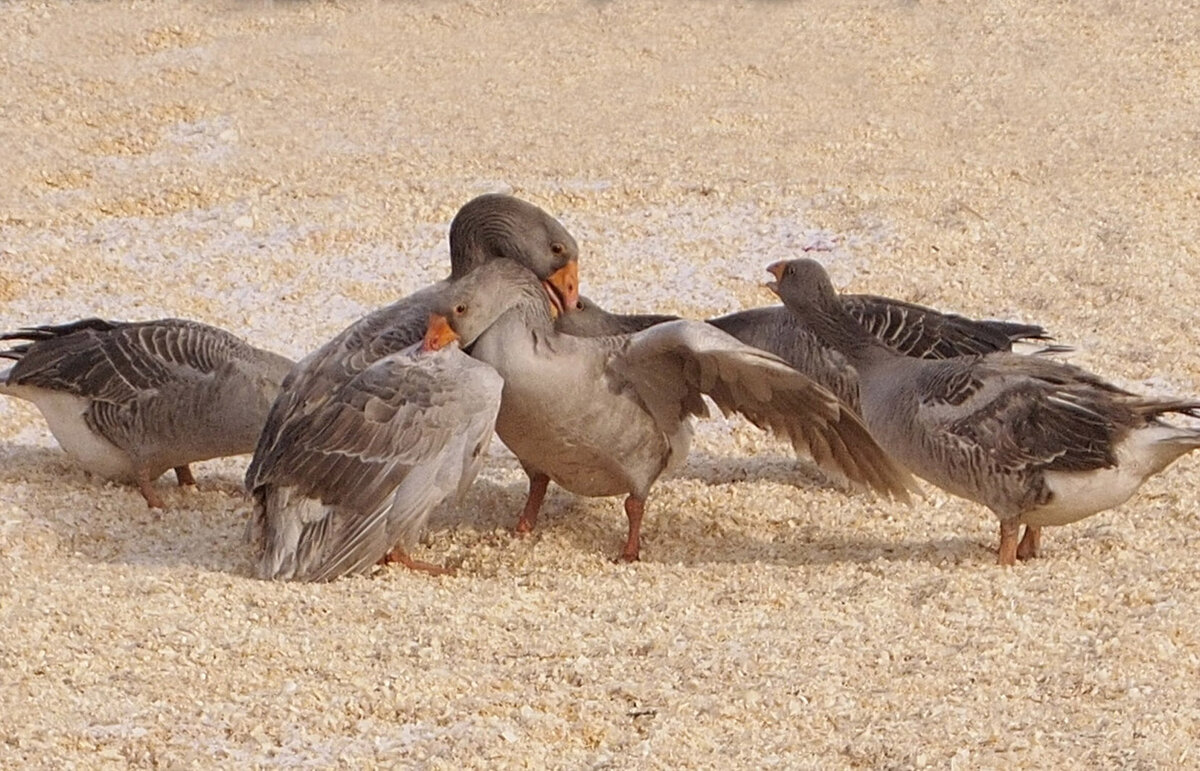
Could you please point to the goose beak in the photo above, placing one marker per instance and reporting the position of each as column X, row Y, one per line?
column 776, row 270
column 563, row 287
column 438, row 334
column 556, row 308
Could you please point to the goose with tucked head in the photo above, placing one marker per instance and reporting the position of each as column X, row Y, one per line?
column 302, row 465
column 130, row 400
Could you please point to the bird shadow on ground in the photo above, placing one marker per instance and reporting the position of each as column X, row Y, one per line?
column 681, row 539
column 105, row 522
column 205, row 528
column 780, row 469
column 598, row 525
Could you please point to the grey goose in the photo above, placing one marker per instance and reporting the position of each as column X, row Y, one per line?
column 129, row 400
column 605, row 416
column 347, row 434
column 911, row 329
column 1037, row 441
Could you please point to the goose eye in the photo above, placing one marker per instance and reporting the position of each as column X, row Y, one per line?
column 460, row 309
column 557, row 248
column 579, row 305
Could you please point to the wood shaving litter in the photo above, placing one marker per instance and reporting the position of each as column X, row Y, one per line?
column 280, row 170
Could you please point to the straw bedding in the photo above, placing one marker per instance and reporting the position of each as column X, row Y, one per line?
column 280, row 169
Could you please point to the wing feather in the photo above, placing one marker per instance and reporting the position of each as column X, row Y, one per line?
column 682, row 359
column 379, row 454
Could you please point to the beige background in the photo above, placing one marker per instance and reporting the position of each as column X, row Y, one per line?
column 279, row 169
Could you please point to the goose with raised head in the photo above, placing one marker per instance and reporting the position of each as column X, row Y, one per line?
column 1037, row 441
column 353, row 389
column 130, row 400
column 908, row 328
column 608, row 416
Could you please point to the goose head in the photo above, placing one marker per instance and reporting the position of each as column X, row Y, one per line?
column 496, row 226
column 475, row 302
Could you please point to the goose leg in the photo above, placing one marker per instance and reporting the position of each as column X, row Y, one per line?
column 634, row 507
column 1008, row 542
column 1031, row 542
column 184, row 475
column 398, row 554
column 538, row 482
column 153, row 500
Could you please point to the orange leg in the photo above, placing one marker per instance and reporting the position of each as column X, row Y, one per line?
column 184, row 475
column 634, row 508
column 146, row 488
column 398, row 554
column 1031, row 543
column 1008, row 542
column 538, row 482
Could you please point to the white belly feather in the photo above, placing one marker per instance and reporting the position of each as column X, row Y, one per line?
column 1078, row 494
column 64, row 414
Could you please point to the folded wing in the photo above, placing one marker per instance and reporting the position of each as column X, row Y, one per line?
column 360, row 471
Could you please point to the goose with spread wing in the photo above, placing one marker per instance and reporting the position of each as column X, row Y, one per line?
column 606, row 416
column 1037, row 441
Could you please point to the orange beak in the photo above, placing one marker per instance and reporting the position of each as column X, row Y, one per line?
column 775, row 269
column 563, row 287
column 438, row 333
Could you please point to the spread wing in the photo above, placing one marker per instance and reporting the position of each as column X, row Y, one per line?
column 378, row 455
column 777, row 330
column 672, row 364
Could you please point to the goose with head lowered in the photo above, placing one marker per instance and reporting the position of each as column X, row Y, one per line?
column 605, row 416
column 1037, row 441
column 336, row 441
column 130, row 400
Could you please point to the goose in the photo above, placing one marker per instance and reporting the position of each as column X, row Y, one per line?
column 129, row 400
column 333, row 447
column 605, row 416
column 374, row 459
column 1039, row 442
column 911, row 329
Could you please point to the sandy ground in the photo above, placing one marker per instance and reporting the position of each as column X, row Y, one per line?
column 279, row 169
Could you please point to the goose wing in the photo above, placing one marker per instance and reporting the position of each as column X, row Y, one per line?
column 378, row 454
column 926, row 333
column 1010, row 414
column 114, row 361
column 672, row 364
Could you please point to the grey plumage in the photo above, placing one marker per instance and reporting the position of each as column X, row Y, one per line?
column 359, row 473
column 910, row 329
column 348, row 466
column 130, row 400
column 1035, row 440
column 927, row 333
column 608, row 415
